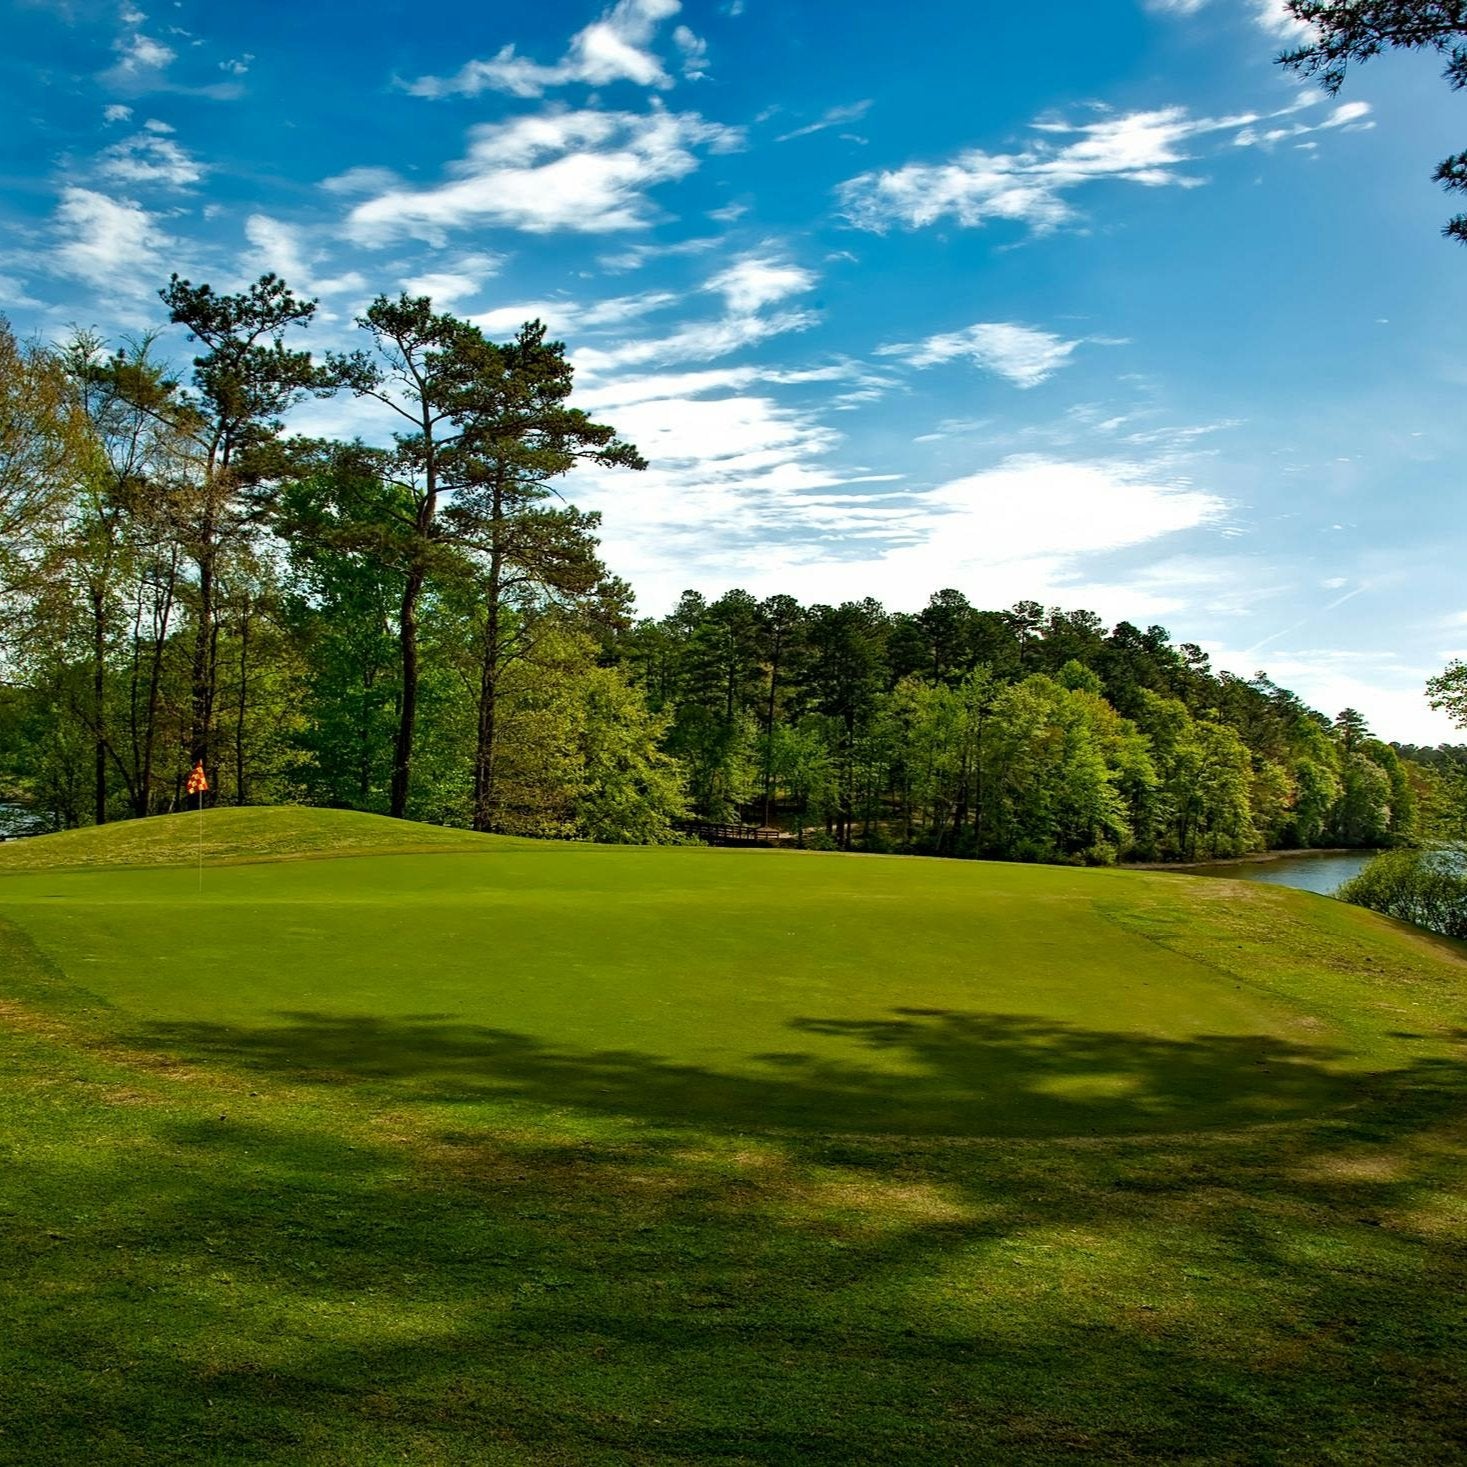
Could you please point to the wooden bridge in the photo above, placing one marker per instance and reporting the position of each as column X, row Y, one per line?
column 739, row 835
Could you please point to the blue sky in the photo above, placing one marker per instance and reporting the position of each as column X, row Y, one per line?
column 1087, row 303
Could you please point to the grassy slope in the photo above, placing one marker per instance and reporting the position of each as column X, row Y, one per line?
column 518, row 1151
column 252, row 834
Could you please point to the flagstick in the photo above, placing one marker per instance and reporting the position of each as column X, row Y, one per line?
column 201, row 842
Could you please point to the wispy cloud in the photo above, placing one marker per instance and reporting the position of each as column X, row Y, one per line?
column 636, row 256
column 835, row 117
column 698, row 341
column 455, row 280
column 288, row 251
column 584, row 172
column 1271, row 16
column 1275, row 18
column 749, row 287
column 1349, row 115
column 749, row 482
column 569, row 315
column 694, row 51
column 112, row 244
column 613, row 48
column 1026, row 355
column 150, row 157
column 14, row 295
column 1032, row 185
column 757, row 281
column 139, row 57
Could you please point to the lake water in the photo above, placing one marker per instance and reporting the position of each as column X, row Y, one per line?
column 15, row 821
column 1322, row 871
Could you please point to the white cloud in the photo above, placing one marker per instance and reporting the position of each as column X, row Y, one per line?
column 832, row 118
column 1268, row 15
column 1033, row 509
column 150, row 157
column 1348, row 115
column 694, row 52
column 1025, row 355
column 14, row 294
column 636, row 256
column 463, row 278
column 361, row 181
column 1032, row 185
column 1271, row 16
column 112, row 244
column 1386, row 688
column 700, row 341
column 731, row 478
column 238, row 65
column 567, row 315
column 741, row 494
column 284, row 250
column 612, row 48
column 584, row 171
column 748, row 286
column 621, row 392
column 757, row 281
column 138, row 55
column 116, row 112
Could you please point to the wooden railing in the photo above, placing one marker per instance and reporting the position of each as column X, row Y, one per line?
column 739, row 835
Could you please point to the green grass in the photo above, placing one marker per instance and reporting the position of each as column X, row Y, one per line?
column 468, row 1150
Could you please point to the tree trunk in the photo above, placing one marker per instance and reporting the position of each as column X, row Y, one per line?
column 484, row 748
column 407, row 638
column 155, row 680
column 489, row 670
column 364, row 738
column 769, row 734
column 960, row 806
column 202, row 672
column 99, row 703
column 239, row 721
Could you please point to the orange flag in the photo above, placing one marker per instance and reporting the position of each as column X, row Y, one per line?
column 197, row 783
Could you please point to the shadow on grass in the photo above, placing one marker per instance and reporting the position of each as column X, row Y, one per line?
column 839, row 1284
column 935, row 1072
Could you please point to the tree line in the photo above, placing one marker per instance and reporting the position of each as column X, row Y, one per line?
column 427, row 630
column 1028, row 733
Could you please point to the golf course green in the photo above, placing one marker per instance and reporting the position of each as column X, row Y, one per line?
column 330, row 1139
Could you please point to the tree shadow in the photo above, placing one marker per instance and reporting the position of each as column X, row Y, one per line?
column 934, row 1072
column 723, row 1268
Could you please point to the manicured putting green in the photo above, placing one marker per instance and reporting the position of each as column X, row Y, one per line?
column 743, row 989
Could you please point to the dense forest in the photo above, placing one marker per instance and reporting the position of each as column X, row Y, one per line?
column 427, row 630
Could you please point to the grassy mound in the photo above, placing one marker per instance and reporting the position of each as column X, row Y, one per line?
column 503, row 1151
column 253, row 833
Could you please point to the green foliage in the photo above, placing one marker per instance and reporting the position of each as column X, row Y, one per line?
column 629, row 792
column 581, row 755
column 1447, row 692
column 1363, row 814
column 428, row 630
column 1428, row 888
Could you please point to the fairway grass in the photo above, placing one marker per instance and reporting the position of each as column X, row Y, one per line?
column 388, row 1143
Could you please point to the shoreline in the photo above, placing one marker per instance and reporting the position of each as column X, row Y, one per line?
column 1252, row 859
